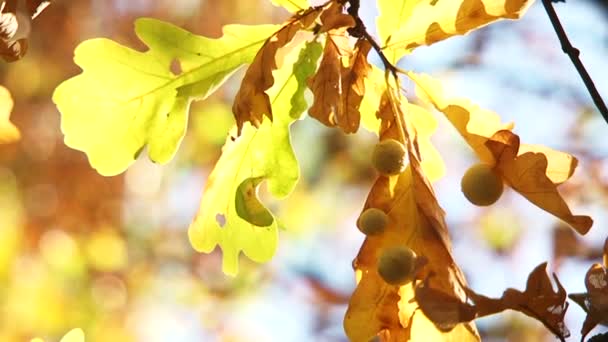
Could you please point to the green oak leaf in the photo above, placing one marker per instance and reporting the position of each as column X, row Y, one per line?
column 258, row 154
column 248, row 205
column 126, row 99
column 292, row 5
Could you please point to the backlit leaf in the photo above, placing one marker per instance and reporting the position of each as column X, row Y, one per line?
column 258, row 154
column 527, row 174
column 252, row 103
column 8, row 132
column 424, row 123
column 126, row 99
column 15, row 26
column 533, row 171
column 539, row 301
column 417, row 221
column 595, row 301
column 334, row 18
column 339, row 90
column 394, row 14
column 431, row 21
column 326, row 83
column 249, row 207
column 292, row 5
column 476, row 125
column 75, row 335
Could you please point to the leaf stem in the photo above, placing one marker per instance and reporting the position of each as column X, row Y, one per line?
column 360, row 31
column 574, row 54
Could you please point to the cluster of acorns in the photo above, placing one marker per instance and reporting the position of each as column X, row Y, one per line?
column 481, row 185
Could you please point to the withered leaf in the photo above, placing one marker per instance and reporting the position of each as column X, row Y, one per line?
column 333, row 18
column 527, row 174
column 416, row 221
column 533, row 171
column 339, row 90
column 538, row 301
column 326, row 84
column 595, row 301
column 15, row 26
column 251, row 102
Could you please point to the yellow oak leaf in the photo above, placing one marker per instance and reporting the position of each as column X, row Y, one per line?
column 475, row 125
column 252, row 102
column 527, row 174
column 417, row 221
column 532, row 170
column 8, row 132
column 433, row 21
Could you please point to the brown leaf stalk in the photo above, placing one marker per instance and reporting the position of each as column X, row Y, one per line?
column 574, row 54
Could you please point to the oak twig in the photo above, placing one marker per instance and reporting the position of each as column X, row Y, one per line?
column 359, row 31
column 574, row 53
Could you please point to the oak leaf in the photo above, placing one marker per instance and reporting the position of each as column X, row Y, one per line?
column 539, row 300
column 339, row 90
column 417, row 221
column 327, row 82
column 595, row 301
column 125, row 100
column 230, row 213
column 339, row 84
column 252, row 103
column 15, row 26
column 416, row 23
column 333, row 18
column 533, row 171
column 8, row 132
column 527, row 174
column 292, row 5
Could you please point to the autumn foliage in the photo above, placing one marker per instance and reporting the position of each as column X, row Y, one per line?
column 316, row 65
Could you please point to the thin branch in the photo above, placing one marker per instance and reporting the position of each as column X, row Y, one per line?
column 574, row 53
column 359, row 31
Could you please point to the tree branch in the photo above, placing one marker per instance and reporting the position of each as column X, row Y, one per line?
column 360, row 31
column 574, row 53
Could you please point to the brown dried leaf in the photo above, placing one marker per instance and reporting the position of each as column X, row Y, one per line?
column 15, row 26
column 538, row 301
column 353, row 87
column 339, row 84
column 606, row 253
column 339, row 90
column 251, row 102
column 595, row 301
column 325, row 84
column 534, row 171
column 527, row 174
column 415, row 221
column 333, row 19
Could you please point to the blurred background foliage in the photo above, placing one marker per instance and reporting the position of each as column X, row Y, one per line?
column 111, row 255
